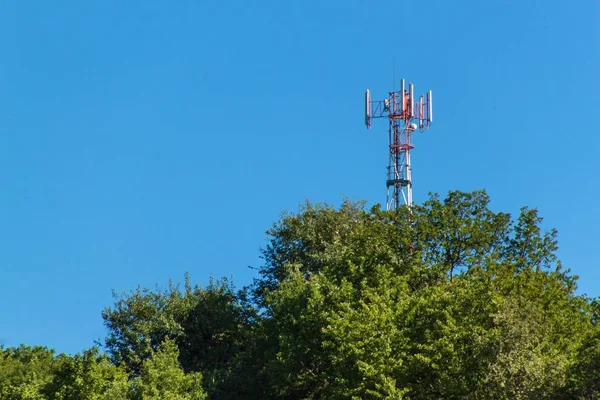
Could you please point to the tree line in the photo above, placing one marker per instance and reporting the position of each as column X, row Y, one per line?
column 447, row 299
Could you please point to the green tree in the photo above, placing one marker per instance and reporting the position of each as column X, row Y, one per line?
column 215, row 331
column 210, row 325
column 162, row 378
column 141, row 320
column 24, row 371
column 88, row 376
column 446, row 300
column 584, row 375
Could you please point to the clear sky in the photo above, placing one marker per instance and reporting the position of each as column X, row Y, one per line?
column 143, row 139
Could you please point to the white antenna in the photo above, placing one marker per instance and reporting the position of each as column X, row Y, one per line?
column 421, row 112
column 402, row 90
column 368, row 109
column 430, row 106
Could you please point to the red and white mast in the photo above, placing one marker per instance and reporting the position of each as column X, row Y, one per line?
column 405, row 115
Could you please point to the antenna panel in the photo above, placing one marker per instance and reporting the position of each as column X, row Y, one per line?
column 368, row 109
column 411, row 94
column 430, row 106
column 421, row 111
column 401, row 95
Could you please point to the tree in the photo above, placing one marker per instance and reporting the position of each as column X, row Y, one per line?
column 89, row 376
column 162, row 378
column 584, row 376
column 24, row 371
column 445, row 300
column 210, row 325
column 323, row 239
column 143, row 319
column 215, row 331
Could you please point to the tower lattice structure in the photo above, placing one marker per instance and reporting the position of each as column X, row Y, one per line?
column 405, row 115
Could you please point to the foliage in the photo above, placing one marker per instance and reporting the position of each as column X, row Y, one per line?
column 209, row 325
column 89, row 376
column 24, row 371
column 141, row 320
column 585, row 372
column 162, row 378
column 36, row 374
column 447, row 299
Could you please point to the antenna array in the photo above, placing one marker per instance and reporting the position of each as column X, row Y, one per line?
column 405, row 114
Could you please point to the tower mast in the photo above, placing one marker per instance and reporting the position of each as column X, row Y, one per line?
column 401, row 109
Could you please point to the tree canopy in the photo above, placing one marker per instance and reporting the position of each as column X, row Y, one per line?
column 447, row 299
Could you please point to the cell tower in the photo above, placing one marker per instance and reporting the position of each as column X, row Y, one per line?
column 401, row 109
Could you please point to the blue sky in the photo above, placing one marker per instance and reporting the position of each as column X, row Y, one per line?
column 143, row 139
